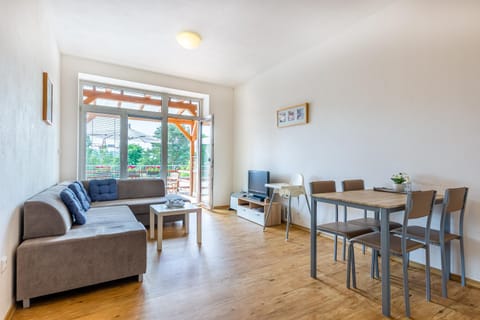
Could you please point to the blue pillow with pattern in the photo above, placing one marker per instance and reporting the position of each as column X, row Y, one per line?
column 103, row 190
column 74, row 206
column 84, row 191
column 80, row 195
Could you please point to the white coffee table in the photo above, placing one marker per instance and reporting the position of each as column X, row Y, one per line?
column 161, row 210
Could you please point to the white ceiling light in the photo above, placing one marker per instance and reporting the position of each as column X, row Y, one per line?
column 189, row 40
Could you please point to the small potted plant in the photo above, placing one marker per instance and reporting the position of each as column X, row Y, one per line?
column 153, row 170
column 399, row 181
column 133, row 171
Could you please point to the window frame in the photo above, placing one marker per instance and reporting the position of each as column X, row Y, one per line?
column 163, row 116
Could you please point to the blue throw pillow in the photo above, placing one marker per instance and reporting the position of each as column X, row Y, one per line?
column 74, row 206
column 103, row 190
column 84, row 191
column 80, row 195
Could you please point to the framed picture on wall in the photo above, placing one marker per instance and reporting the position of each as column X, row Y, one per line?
column 47, row 99
column 292, row 116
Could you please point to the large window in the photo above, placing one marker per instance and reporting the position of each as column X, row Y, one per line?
column 130, row 133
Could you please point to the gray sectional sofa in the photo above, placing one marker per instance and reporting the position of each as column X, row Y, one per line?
column 138, row 195
column 57, row 255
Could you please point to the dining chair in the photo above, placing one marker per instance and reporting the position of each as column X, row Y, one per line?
column 374, row 223
column 343, row 229
column 295, row 189
column 454, row 202
column 419, row 204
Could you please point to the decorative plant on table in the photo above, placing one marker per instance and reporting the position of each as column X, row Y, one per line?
column 400, row 180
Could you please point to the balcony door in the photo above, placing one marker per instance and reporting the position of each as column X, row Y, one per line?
column 129, row 134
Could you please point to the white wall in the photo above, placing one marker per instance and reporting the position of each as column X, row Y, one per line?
column 29, row 147
column 221, row 105
column 398, row 92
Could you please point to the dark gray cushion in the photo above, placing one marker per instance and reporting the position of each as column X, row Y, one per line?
column 140, row 188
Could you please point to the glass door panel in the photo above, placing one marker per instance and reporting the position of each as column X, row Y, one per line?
column 102, row 145
column 206, row 162
column 181, row 156
column 144, row 148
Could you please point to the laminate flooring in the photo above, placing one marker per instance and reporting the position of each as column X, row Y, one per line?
column 240, row 272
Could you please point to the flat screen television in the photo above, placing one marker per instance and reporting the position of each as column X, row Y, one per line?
column 256, row 183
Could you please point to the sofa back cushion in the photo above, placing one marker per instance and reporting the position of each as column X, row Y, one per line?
column 74, row 206
column 103, row 190
column 77, row 189
column 140, row 188
column 46, row 215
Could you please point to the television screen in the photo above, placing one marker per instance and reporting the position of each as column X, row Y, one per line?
column 256, row 182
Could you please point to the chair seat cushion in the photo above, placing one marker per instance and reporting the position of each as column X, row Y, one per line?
column 372, row 240
column 418, row 233
column 343, row 229
column 374, row 223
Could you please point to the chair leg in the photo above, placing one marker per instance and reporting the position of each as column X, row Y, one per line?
column 462, row 261
column 349, row 264
column 344, row 238
column 444, row 269
column 372, row 266
column 289, row 217
column 354, row 274
column 335, row 248
column 427, row 273
column 365, row 217
column 377, row 269
column 405, row 287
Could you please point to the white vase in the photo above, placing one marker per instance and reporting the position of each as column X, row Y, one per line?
column 399, row 187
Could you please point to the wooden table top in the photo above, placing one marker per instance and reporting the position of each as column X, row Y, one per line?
column 370, row 198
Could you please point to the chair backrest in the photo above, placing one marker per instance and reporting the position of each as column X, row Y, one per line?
column 322, row 186
column 351, row 185
column 419, row 204
column 297, row 180
column 455, row 199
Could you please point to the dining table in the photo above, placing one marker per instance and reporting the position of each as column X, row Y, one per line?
column 378, row 201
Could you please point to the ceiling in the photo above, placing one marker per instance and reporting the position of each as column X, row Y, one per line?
column 241, row 38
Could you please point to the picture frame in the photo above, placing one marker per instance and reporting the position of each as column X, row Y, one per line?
column 47, row 99
column 293, row 115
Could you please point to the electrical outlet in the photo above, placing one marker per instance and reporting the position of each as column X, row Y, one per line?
column 3, row 264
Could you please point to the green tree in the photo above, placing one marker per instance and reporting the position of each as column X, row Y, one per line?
column 135, row 154
column 178, row 147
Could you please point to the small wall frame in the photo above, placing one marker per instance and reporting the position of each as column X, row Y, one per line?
column 47, row 99
column 292, row 116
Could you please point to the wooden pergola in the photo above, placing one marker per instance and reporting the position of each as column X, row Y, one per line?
column 91, row 96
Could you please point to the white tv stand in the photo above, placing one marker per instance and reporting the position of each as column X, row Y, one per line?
column 255, row 211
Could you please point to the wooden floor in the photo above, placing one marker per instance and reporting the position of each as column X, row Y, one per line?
column 240, row 272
